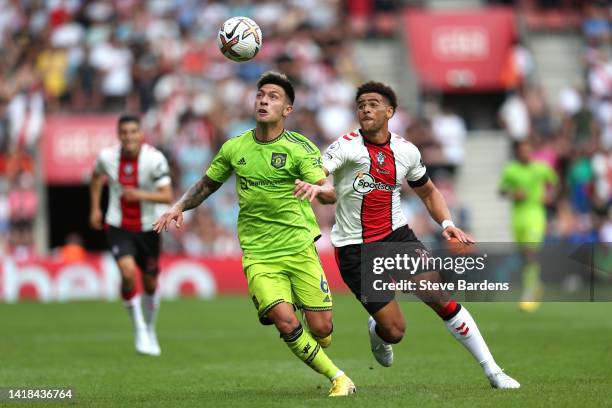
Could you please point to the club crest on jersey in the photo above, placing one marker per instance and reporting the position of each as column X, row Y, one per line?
column 380, row 158
column 278, row 160
column 365, row 182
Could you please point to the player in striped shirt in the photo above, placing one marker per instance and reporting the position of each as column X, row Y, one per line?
column 139, row 181
column 369, row 166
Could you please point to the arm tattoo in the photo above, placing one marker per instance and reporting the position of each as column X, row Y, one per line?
column 198, row 192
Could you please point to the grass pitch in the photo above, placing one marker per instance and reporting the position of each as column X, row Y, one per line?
column 215, row 353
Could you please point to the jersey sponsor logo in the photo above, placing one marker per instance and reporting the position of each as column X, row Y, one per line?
column 364, row 183
column 278, row 160
column 324, row 285
column 245, row 183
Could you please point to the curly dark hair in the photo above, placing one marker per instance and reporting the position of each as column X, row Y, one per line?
column 276, row 78
column 379, row 88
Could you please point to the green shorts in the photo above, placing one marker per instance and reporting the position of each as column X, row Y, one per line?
column 297, row 279
column 529, row 227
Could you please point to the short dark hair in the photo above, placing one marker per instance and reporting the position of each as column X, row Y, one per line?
column 276, row 78
column 379, row 88
column 127, row 118
column 517, row 144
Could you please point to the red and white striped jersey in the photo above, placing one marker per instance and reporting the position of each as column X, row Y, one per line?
column 368, row 179
column 148, row 172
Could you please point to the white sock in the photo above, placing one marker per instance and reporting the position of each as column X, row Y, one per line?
column 373, row 334
column 135, row 312
column 464, row 329
column 340, row 373
column 150, row 306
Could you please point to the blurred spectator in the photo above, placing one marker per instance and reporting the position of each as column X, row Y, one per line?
column 602, row 183
column 114, row 61
column 518, row 67
column 450, row 132
column 604, row 122
column 596, row 24
column 420, row 134
column 73, row 250
column 25, row 110
column 514, row 117
column 193, row 148
column 22, row 203
column 582, row 128
column 539, row 113
column 570, row 101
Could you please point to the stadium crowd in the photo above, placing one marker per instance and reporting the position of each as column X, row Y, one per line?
column 575, row 136
column 149, row 57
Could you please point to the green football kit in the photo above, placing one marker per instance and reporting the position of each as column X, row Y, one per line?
column 528, row 215
column 276, row 229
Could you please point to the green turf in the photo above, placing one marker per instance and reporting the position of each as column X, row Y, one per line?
column 215, row 353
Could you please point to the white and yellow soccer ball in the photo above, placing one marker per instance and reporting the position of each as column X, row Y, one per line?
column 240, row 39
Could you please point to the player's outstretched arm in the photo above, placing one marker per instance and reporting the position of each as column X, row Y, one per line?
column 194, row 196
column 323, row 190
column 163, row 195
column 436, row 205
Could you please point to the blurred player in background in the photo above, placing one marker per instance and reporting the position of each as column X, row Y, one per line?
column 373, row 214
column 527, row 183
column 139, row 180
column 277, row 231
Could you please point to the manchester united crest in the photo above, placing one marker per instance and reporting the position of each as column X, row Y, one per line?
column 278, row 160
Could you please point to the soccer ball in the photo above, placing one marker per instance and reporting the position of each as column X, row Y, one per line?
column 239, row 39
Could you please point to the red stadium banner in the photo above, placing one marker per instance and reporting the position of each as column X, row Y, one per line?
column 97, row 278
column 71, row 144
column 460, row 51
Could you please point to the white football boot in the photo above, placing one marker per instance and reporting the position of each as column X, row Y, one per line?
column 383, row 353
column 502, row 380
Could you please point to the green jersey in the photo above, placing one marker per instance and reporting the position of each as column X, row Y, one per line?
column 272, row 222
column 531, row 178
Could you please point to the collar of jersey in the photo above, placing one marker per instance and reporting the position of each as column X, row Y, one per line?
column 277, row 138
column 375, row 144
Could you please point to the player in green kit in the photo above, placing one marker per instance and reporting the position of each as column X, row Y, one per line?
column 525, row 182
column 278, row 174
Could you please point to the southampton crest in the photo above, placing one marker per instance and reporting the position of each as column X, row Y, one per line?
column 380, row 158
